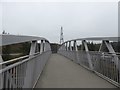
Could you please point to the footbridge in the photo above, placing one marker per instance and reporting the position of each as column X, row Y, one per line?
column 75, row 65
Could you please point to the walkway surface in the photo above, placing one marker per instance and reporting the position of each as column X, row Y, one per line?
column 60, row 72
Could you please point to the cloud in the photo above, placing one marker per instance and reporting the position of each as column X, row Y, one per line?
column 45, row 19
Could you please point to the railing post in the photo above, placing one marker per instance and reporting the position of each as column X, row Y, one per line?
column 66, row 46
column 45, row 45
column 101, row 46
column 76, row 52
column 70, row 48
column 1, row 76
column 1, row 60
column 28, row 83
column 49, row 47
column 88, row 55
column 75, row 46
column 63, row 47
column 33, row 47
column 41, row 47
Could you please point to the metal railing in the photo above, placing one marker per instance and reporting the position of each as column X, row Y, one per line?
column 103, row 64
column 24, row 72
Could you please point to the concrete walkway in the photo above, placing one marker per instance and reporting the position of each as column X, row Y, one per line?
column 60, row 72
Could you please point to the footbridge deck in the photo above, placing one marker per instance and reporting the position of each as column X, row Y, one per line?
column 61, row 72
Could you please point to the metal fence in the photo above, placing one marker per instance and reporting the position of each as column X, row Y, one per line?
column 103, row 64
column 24, row 72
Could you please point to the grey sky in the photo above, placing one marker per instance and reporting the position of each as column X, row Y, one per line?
column 79, row 19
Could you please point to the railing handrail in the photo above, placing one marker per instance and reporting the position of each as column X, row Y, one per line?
column 96, row 39
column 29, row 67
column 14, row 39
column 17, row 59
column 17, row 63
column 106, row 53
column 99, row 61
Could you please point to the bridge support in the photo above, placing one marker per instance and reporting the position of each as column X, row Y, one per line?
column 49, row 47
column 1, row 66
column 111, row 50
column 88, row 55
column 1, row 60
column 30, row 67
column 75, row 46
column 115, row 59
column 41, row 46
column 76, row 52
column 46, row 46
column 63, row 47
column 33, row 47
column 106, row 66
column 70, row 48
column 1, row 76
column 66, row 46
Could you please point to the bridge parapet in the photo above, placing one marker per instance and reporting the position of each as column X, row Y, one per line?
column 105, row 64
column 24, row 72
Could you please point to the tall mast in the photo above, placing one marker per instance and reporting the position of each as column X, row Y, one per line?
column 61, row 36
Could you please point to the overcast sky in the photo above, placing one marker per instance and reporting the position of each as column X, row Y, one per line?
column 79, row 19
